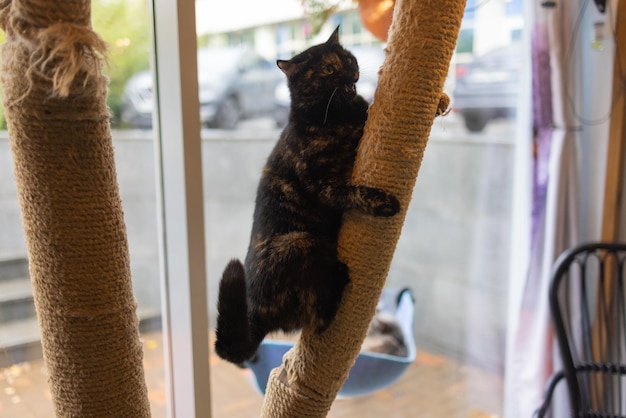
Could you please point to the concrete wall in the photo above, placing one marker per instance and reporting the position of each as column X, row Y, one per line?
column 453, row 252
column 11, row 235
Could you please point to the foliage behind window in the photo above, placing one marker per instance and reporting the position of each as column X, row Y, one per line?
column 124, row 26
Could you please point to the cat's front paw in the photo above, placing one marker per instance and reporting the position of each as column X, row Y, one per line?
column 381, row 203
column 388, row 207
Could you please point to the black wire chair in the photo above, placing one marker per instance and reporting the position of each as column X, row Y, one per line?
column 588, row 309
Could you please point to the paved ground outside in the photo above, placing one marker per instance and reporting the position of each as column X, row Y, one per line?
column 434, row 386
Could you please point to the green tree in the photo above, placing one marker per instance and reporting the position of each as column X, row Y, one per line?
column 123, row 24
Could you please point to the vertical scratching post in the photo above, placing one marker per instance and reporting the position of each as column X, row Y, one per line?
column 55, row 102
column 422, row 39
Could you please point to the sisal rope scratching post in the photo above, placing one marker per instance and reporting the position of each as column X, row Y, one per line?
column 421, row 42
column 55, row 101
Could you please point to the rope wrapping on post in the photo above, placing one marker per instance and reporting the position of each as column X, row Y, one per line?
column 58, row 121
column 409, row 95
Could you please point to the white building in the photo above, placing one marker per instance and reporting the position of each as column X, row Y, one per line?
column 279, row 29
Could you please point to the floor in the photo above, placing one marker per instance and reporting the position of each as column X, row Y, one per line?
column 433, row 386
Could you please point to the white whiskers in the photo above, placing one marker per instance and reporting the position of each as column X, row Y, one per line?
column 328, row 105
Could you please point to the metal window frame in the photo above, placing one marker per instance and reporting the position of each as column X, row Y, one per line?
column 180, row 209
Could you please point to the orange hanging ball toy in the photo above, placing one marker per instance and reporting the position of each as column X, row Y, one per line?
column 376, row 16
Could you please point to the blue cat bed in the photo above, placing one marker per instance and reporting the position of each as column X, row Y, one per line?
column 371, row 371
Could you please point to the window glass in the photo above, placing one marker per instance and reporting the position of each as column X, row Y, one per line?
column 454, row 250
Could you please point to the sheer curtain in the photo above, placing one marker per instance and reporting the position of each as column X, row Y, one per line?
column 554, row 224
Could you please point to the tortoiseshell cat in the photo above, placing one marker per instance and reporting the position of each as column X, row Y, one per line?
column 292, row 277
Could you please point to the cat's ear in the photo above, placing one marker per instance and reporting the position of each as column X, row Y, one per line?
column 334, row 37
column 286, row 67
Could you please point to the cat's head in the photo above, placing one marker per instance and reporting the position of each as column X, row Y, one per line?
column 320, row 72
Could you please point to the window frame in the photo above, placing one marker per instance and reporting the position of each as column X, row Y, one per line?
column 180, row 208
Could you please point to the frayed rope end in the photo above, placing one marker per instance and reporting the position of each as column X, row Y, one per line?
column 60, row 53
column 64, row 50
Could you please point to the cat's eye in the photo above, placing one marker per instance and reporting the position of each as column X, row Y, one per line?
column 328, row 69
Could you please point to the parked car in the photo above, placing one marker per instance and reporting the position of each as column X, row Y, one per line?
column 487, row 87
column 137, row 104
column 370, row 59
column 234, row 84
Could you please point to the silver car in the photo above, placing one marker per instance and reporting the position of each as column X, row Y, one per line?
column 487, row 87
column 234, row 84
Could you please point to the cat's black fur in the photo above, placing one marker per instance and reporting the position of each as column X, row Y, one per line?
column 292, row 277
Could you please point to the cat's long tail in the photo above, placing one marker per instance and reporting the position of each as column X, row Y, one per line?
column 234, row 342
